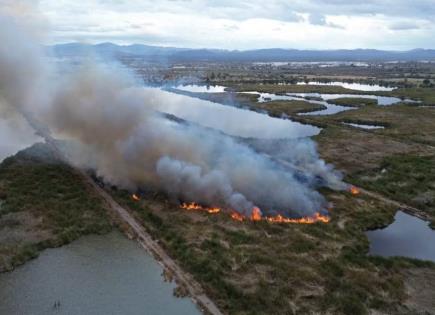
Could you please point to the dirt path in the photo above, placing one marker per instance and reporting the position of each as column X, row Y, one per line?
column 182, row 278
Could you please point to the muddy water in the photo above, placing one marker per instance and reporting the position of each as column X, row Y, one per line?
column 407, row 236
column 106, row 274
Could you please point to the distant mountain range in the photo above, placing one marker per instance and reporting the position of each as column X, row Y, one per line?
column 173, row 54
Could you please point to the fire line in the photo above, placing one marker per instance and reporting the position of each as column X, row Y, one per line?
column 256, row 215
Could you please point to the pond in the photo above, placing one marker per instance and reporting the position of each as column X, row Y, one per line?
column 106, row 274
column 382, row 100
column 322, row 99
column 195, row 88
column 329, row 110
column 353, row 86
column 314, row 98
column 231, row 120
column 364, row 126
column 407, row 236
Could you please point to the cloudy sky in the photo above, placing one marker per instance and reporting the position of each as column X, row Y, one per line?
column 245, row 24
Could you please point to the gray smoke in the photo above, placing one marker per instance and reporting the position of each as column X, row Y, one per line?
column 130, row 144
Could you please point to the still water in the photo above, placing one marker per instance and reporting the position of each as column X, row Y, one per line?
column 95, row 275
column 407, row 236
column 201, row 88
column 382, row 100
column 322, row 99
column 329, row 110
column 353, row 86
column 363, row 126
column 314, row 98
column 231, row 120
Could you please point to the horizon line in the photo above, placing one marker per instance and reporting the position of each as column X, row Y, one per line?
column 236, row 50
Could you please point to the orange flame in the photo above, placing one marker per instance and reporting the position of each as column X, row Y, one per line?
column 317, row 217
column 237, row 216
column 257, row 216
column 354, row 190
column 135, row 197
column 193, row 206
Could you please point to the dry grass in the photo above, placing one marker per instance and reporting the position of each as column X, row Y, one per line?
column 263, row 268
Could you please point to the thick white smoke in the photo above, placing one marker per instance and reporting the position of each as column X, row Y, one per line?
column 132, row 145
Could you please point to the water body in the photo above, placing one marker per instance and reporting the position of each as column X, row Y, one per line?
column 321, row 98
column 353, row 86
column 407, row 236
column 201, row 88
column 106, row 274
column 334, row 109
column 363, row 126
column 230, row 120
column 382, row 100
column 329, row 110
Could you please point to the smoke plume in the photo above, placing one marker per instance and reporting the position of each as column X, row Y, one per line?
column 124, row 137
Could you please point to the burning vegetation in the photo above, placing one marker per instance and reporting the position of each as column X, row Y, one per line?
column 354, row 190
column 194, row 206
column 256, row 215
column 135, row 197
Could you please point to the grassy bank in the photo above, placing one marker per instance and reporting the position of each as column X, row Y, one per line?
column 353, row 101
column 44, row 204
column 406, row 178
column 426, row 95
column 289, row 108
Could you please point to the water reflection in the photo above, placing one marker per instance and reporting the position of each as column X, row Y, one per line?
column 230, row 120
column 353, row 86
column 194, row 88
column 95, row 275
column 364, row 126
column 382, row 100
column 408, row 236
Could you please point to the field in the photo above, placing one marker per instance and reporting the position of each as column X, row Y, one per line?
column 396, row 161
column 260, row 267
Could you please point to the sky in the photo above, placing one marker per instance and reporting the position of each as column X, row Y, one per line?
column 244, row 24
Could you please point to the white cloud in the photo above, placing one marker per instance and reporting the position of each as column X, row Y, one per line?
column 244, row 24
